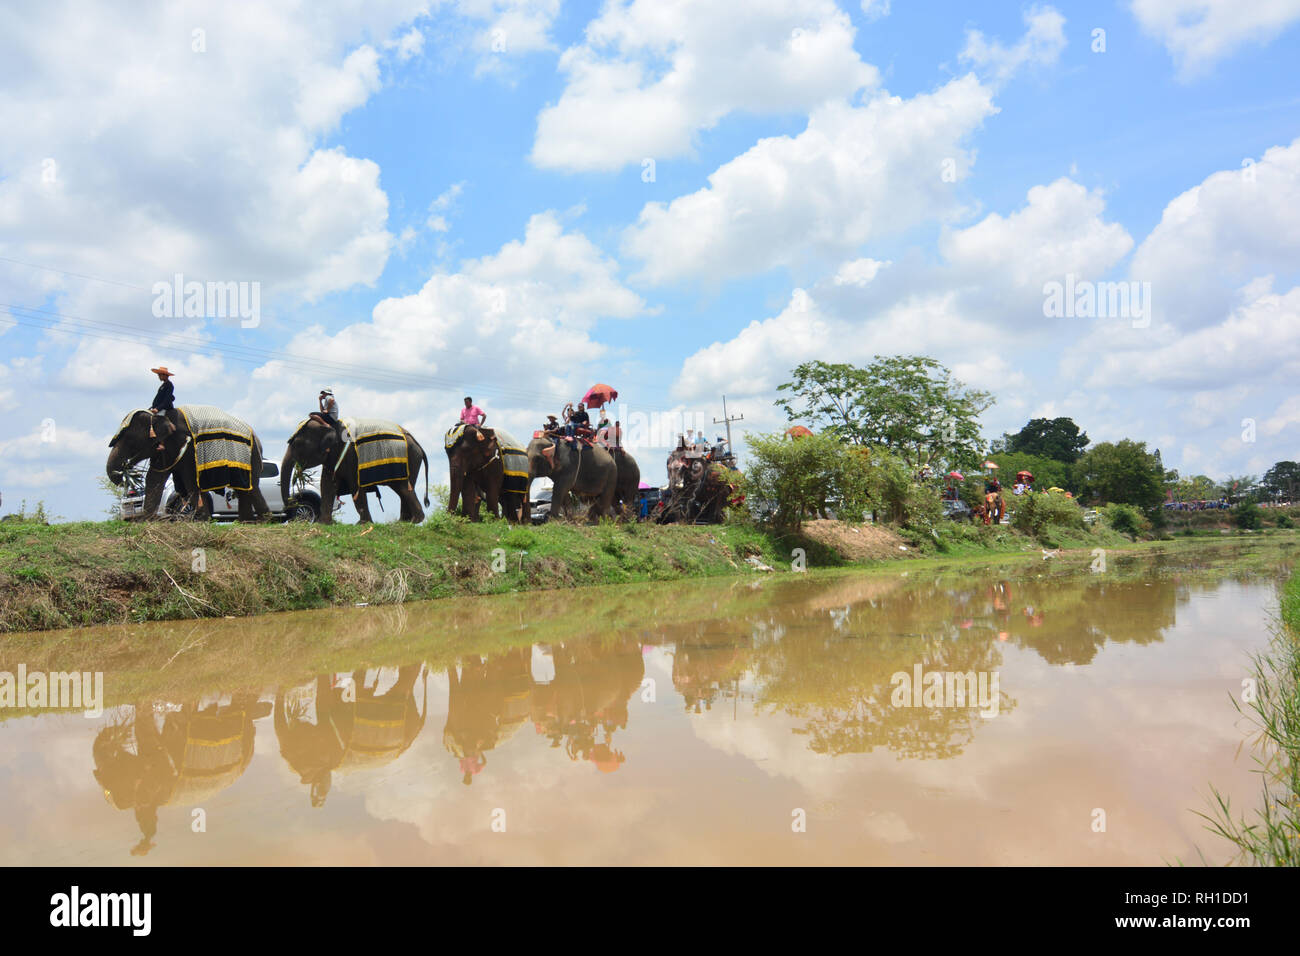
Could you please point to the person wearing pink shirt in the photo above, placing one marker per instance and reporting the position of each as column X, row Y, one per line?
column 471, row 414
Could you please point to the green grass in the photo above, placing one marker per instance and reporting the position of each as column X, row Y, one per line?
column 79, row 574
column 1271, row 836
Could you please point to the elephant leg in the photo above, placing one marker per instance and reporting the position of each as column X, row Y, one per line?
column 328, row 496
column 457, row 489
column 363, row 507
column 493, row 498
column 411, row 510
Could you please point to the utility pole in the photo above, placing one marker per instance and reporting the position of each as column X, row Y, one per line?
column 728, row 419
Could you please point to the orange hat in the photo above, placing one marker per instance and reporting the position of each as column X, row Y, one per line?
column 161, row 370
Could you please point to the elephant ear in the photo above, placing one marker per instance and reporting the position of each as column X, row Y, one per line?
column 126, row 423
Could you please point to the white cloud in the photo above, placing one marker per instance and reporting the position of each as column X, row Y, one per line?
column 174, row 152
column 855, row 173
column 437, row 222
column 1233, row 227
column 651, row 74
column 1059, row 231
column 875, row 9
column 1197, row 33
column 1041, row 45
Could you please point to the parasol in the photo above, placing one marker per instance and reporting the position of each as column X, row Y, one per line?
column 1026, row 475
column 798, row 431
column 956, row 474
column 645, row 485
column 992, row 466
column 599, row 395
column 1054, row 488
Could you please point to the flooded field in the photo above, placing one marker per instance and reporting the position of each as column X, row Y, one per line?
column 1073, row 717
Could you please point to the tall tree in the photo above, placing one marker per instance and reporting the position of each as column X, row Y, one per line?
column 908, row 404
column 1282, row 481
column 1057, row 438
column 1123, row 472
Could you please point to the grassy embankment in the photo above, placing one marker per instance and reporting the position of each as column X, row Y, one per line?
column 78, row 574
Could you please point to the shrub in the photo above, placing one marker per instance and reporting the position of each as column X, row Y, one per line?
column 1248, row 516
column 1037, row 512
column 1126, row 519
column 1284, row 521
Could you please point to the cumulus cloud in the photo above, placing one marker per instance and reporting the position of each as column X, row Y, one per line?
column 1198, row 33
column 186, row 138
column 854, row 174
column 650, row 74
column 1231, row 228
column 1041, row 45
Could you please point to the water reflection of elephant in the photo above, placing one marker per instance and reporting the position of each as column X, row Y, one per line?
column 587, row 702
column 488, row 701
column 706, row 666
column 355, row 725
column 178, row 757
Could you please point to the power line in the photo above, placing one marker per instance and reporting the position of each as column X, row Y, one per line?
column 49, row 320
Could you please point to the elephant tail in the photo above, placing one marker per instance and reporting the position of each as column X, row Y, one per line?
column 425, row 456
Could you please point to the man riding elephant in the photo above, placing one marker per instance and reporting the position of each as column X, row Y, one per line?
column 588, row 471
column 201, row 447
column 354, row 456
column 486, row 463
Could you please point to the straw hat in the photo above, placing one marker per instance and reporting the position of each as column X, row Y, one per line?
column 161, row 370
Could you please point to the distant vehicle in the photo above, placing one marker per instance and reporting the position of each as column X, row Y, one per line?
column 957, row 509
column 224, row 505
column 649, row 499
column 540, row 506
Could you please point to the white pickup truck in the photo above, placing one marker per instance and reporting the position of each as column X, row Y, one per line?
column 225, row 506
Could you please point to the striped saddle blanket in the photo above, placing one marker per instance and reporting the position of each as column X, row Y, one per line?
column 223, row 448
column 515, row 458
column 381, row 451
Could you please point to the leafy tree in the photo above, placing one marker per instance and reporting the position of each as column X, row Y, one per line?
column 1248, row 516
column 1056, row 438
column 1047, row 472
column 1195, row 488
column 797, row 474
column 1282, row 481
column 909, row 405
column 1123, row 472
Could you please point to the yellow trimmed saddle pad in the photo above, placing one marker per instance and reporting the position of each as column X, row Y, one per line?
column 515, row 458
column 381, row 451
column 223, row 448
column 453, row 435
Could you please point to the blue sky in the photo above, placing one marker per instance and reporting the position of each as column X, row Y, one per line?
column 438, row 199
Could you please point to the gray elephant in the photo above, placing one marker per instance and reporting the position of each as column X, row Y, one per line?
column 628, row 487
column 588, row 471
column 389, row 455
column 201, row 447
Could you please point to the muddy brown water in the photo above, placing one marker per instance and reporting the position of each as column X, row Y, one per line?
column 738, row 721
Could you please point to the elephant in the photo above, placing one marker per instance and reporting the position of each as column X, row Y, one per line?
column 166, row 439
column 477, row 466
column 356, row 725
column 628, row 486
column 317, row 443
column 587, row 471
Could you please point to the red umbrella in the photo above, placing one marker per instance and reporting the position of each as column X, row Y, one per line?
column 1025, row 474
column 956, row 474
column 798, row 431
column 598, row 396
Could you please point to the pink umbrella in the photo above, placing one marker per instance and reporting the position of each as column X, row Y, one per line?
column 644, row 485
column 599, row 395
column 955, row 474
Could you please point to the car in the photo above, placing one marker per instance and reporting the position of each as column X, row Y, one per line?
column 540, row 506
column 956, row 509
column 223, row 504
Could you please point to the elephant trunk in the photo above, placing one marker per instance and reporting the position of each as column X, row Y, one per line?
column 117, row 465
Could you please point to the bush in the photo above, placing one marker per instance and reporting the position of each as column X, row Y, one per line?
column 1037, row 512
column 1248, row 516
column 1126, row 519
column 1284, row 521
